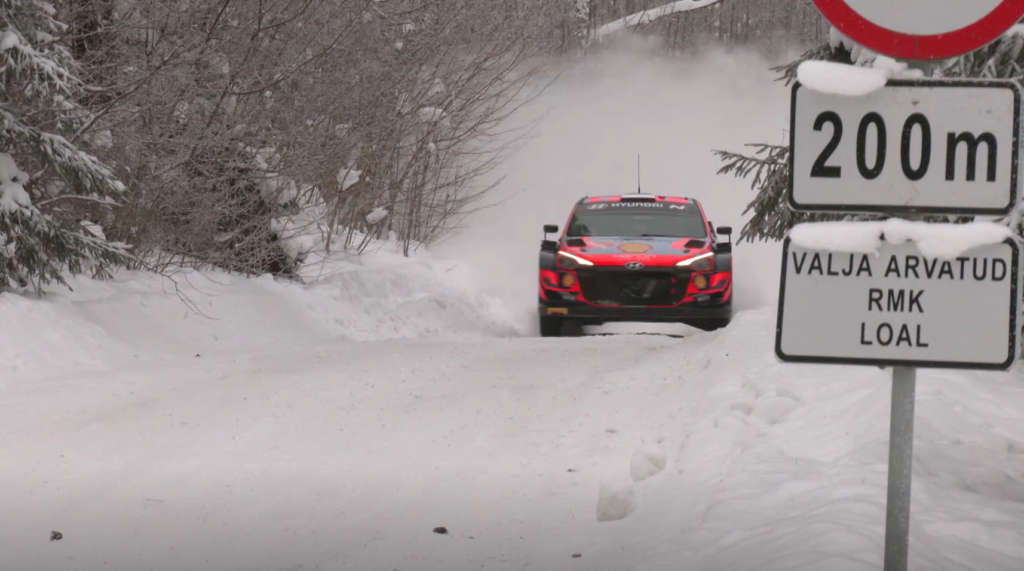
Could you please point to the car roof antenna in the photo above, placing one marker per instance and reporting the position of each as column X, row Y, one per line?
column 638, row 173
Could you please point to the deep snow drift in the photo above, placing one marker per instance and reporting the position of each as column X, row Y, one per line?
column 143, row 316
column 336, row 426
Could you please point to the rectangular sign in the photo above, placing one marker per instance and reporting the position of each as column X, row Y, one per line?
column 914, row 146
column 899, row 308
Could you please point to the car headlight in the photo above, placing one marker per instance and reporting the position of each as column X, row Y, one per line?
column 567, row 261
column 701, row 263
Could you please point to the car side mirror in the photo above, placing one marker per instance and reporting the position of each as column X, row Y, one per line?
column 550, row 229
column 723, row 247
column 726, row 231
column 550, row 246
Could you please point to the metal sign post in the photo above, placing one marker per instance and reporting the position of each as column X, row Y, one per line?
column 883, row 309
column 900, row 474
column 901, row 460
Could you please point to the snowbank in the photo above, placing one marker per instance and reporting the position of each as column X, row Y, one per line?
column 944, row 241
column 783, row 468
column 101, row 325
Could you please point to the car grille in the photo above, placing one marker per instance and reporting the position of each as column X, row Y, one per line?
column 619, row 286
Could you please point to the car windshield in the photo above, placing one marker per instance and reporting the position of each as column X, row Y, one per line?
column 636, row 220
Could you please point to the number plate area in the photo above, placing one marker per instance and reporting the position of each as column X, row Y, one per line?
column 628, row 288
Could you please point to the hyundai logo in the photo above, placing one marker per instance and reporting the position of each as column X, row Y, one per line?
column 634, row 266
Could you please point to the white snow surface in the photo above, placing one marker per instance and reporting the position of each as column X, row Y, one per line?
column 615, row 500
column 93, row 228
column 336, row 425
column 841, row 79
column 944, row 241
column 347, row 177
column 8, row 39
column 13, row 195
column 376, row 215
column 154, row 440
column 648, row 460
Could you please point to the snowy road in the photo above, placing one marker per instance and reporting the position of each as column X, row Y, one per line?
column 349, row 455
column 335, row 426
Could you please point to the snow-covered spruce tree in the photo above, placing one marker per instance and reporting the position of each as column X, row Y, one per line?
column 53, row 194
column 768, row 165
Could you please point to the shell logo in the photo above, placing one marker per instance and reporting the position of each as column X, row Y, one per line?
column 636, row 248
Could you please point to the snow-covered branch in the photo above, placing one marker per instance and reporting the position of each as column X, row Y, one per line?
column 648, row 16
column 66, row 158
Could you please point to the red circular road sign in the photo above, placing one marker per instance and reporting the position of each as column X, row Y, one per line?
column 922, row 29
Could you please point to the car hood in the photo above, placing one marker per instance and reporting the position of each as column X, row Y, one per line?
column 651, row 250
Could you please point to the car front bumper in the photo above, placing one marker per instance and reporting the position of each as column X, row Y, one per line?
column 603, row 314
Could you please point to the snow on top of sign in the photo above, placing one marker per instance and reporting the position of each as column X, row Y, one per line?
column 841, row 79
column 945, row 241
column 863, row 57
column 896, row 69
column 869, row 74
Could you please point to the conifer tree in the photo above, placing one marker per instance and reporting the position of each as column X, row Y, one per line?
column 53, row 194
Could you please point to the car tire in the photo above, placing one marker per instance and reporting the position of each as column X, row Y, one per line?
column 550, row 326
column 711, row 324
column 572, row 328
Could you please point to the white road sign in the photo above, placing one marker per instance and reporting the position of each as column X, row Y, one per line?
column 900, row 308
column 914, row 146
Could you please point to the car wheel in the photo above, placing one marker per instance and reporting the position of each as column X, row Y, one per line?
column 572, row 328
column 550, row 326
column 710, row 324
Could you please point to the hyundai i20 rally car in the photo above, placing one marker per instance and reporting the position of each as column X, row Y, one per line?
column 635, row 257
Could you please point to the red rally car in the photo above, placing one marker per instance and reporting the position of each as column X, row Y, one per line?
column 635, row 257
